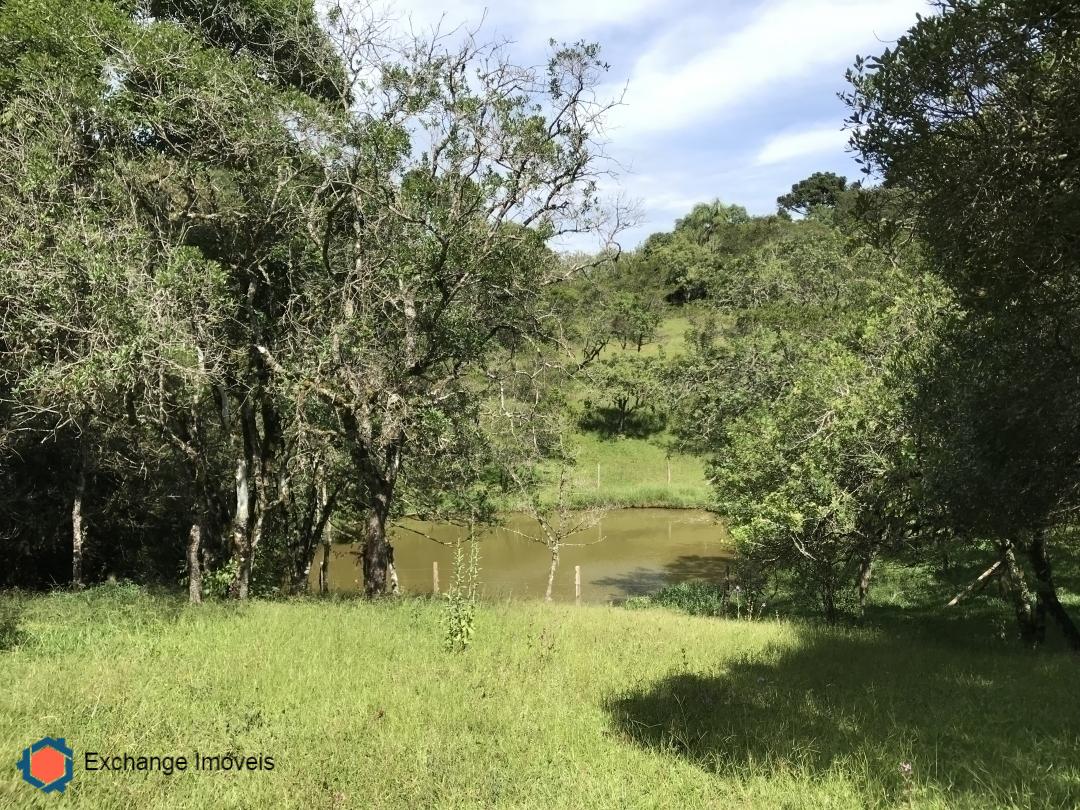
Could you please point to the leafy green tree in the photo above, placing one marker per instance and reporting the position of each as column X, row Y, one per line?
column 798, row 403
column 600, row 315
column 156, row 213
column 821, row 189
column 970, row 120
column 711, row 235
column 441, row 188
column 629, row 388
column 634, row 320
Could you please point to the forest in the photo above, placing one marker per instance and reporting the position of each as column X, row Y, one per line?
column 274, row 278
column 259, row 273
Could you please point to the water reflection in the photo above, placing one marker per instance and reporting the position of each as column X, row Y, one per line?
column 642, row 549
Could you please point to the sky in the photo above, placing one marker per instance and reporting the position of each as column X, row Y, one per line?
column 723, row 99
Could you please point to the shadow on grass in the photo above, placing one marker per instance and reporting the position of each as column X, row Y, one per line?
column 606, row 423
column 979, row 726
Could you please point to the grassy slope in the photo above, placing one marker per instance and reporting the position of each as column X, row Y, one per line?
column 634, row 471
column 552, row 707
column 670, row 339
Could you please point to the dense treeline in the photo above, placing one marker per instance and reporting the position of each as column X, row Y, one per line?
column 261, row 271
column 898, row 374
column 257, row 267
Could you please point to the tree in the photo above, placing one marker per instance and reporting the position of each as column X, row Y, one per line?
column 161, row 203
column 628, row 385
column 708, row 237
column 799, row 406
column 631, row 319
column 970, row 120
column 634, row 320
column 441, row 187
column 557, row 519
column 819, row 189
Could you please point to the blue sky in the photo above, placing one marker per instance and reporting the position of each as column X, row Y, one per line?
column 729, row 99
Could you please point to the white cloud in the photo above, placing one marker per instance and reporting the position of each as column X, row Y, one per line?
column 726, row 98
column 589, row 14
column 789, row 145
column 674, row 85
column 553, row 18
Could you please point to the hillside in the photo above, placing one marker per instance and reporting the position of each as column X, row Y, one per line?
column 638, row 471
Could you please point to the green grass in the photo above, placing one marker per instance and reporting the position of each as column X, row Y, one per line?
column 553, row 706
column 633, row 474
column 670, row 339
column 634, row 471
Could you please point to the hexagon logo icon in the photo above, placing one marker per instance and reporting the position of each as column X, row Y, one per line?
column 47, row 764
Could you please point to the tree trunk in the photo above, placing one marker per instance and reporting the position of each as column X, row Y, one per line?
column 551, row 573
column 828, row 597
column 395, row 586
column 828, row 604
column 378, row 472
column 253, row 543
column 251, row 494
column 1047, row 591
column 376, row 551
column 865, row 570
column 1029, row 619
column 194, row 546
column 78, row 532
column 238, row 588
column 327, row 536
column 324, row 566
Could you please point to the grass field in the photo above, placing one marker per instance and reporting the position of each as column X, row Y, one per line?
column 634, row 472
column 552, row 707
column 670, row 339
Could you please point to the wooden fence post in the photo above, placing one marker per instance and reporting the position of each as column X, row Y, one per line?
column 669, row 472
column 577, row 584
column 598, row 475
column 434, row 576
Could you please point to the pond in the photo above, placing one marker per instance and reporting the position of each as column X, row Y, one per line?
column 640, row 550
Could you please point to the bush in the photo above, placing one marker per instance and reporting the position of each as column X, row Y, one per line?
column 703, row 599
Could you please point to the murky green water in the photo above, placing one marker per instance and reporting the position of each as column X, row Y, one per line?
column 641, row 550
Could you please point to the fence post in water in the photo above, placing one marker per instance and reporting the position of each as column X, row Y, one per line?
column 434, row 576
column 577, row 584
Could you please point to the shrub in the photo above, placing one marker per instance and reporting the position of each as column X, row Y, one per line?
column 704, row 599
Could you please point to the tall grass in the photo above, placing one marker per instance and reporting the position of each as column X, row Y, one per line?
column 551, row 707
